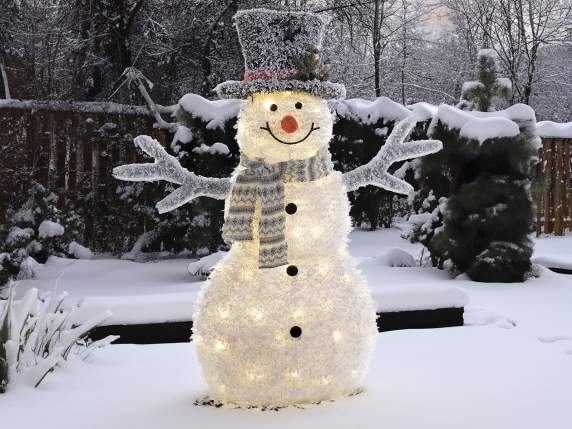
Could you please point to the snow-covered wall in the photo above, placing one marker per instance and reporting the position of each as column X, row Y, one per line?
column 82, row 106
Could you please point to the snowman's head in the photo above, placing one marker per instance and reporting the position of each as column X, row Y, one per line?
column 283, row 125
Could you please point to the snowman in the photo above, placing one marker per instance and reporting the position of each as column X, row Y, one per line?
column 286, row 317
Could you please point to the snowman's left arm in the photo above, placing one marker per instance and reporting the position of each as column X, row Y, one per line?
column 395, row 149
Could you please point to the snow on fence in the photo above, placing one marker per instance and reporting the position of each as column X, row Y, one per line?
column 68, row 145
column 554, row 204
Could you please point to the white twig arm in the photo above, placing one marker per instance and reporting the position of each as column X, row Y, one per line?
column 395, row 149
column 167, row 167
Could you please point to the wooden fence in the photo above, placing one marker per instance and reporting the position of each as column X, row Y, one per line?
column 65, row 145
column 68, row 145
column 554, row 204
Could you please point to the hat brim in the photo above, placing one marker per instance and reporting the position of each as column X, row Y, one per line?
column 242, row 89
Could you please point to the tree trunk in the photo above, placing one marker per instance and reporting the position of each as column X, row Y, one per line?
column 5, row 80
column 376, row 47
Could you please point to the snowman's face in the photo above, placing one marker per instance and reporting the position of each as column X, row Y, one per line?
column 283, row 126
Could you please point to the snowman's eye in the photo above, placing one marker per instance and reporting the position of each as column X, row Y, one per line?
column 298, row 105
column 273, row 107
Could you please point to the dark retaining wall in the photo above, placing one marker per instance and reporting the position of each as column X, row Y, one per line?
column 180, row 332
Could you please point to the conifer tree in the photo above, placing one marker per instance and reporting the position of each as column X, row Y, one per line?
column 483, row 94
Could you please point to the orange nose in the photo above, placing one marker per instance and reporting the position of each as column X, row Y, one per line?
column 289, row 123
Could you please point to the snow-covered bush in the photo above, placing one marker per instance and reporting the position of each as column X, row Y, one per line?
column 488, row 213
column 39, row 333
column 35, row 231
column 425, row 223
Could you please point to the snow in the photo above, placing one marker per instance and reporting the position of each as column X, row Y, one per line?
column 369, row 112
column 50, row 229
column 214, row 112
column 164, row 291
column 397, row 258
column 510, row 366
column 521, row 115
column 215, row 149
column 470, row 377
column 482, row 129
column 504, row 82
column 79, row 251
column 28, row 268
column 81, row 106
column 553, row 251
column 456, row 118
column 17, row 233
column 450, row 116
column 424, row 111
column 554, row 129
column 183, row 135
column 471, row 85
column 489, row 53
column 205, row 265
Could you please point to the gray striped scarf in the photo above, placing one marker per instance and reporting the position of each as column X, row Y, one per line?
column 266, row 181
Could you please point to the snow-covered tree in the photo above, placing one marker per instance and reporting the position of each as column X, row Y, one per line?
column 485, row 93
column 488, row 163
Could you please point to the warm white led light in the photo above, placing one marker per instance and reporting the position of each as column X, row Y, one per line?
column 256, row 314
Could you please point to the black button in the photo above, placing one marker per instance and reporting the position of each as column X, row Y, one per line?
column 291, row 208
column 292, row 270
column 295, row 331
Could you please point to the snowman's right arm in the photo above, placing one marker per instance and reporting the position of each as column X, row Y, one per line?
column 167, row 167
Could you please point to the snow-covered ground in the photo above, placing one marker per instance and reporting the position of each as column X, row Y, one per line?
column 164, row 291
column 510, row 367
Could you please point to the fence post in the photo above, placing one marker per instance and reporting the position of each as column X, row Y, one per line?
column 539, row 195
column 568, row 181
column 558, row 182
column 547, row 156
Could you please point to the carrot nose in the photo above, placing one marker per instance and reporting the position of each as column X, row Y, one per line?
column 289, row 123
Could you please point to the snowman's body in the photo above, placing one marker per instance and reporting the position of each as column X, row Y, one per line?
column 246, row 316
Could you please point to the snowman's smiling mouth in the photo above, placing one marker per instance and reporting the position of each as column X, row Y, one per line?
column 312, row 129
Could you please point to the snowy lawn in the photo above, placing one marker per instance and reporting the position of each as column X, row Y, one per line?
column 511, row 367
column 163, row 291
column 469, row 377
